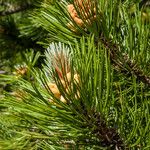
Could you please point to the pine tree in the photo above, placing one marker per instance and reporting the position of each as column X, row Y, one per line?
column 92, row 90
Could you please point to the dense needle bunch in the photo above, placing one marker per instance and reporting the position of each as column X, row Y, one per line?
column 83, row 12
column 92, row 91
column 60, row 62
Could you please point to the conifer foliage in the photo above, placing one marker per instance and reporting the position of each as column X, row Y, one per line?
column 93, row 89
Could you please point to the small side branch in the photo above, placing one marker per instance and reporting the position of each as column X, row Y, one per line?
column 124, row 63
column 108, row 136
column 13, row 9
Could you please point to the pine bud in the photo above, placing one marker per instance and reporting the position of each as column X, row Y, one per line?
column 85, row 9
column 54, row 89
column 68, row 76
column 20, row 70
column 76, row 78
column 62, row 99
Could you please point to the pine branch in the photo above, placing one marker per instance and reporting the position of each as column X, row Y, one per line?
column 144, row 3
column 4, row 3
column 124, row 63
column 107, row 135
column 14, row 9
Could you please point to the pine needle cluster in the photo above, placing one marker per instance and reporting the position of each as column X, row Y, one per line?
column 93, row 89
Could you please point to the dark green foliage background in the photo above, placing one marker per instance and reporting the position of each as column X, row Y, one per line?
column 112, row 58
